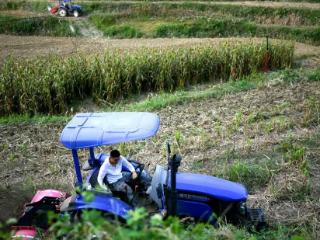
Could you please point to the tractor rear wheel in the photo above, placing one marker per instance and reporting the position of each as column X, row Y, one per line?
column 62, row 12
column 76, row 13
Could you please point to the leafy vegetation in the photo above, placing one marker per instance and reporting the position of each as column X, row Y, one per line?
column 48, row 85
column 312, row 112
column 93, row 225
column 180, row 19
column 315, row 75
column 303, row 16
column 156, row 101
column 48, row 26
column 251, row 175
column 139, row 226
column 199, row 27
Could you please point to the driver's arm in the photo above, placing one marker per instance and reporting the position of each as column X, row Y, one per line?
column 102, row 174
column 127, row 164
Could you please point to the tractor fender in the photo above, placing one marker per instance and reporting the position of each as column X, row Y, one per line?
column 24, row 233
column 52, row 193
column 105, row 203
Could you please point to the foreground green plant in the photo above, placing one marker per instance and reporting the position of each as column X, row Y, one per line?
column 49, row 85
column 141, row 226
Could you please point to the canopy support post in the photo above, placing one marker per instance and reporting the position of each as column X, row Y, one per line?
column 92, row 157
column 77, row 167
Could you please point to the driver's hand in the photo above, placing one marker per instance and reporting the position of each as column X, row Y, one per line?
column 134, row 175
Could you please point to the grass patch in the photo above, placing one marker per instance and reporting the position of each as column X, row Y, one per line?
column 122, row 31
column 215, row 26
column 303, row 16
column 312, row 112
column 44, row 26
column 192, row 19
column 275, row 124
column 151, row 103
column 179, row 97
column 25, row 118
column 253, row 176
column 314, row 76
column 295, row 155
column 205, row 27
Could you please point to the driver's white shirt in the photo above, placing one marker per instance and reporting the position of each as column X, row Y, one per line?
column 113, row 172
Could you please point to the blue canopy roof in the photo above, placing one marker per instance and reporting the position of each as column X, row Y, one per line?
column 97, row 129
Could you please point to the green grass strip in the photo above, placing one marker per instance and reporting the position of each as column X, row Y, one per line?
column 179, row 97
column 150, row 104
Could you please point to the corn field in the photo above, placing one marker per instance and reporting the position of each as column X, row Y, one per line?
column 50, row 84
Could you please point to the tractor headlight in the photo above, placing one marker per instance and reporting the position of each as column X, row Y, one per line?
column 242, row 208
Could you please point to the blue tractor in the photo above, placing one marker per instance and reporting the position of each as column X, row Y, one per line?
column 66, row 8
column 169, row 192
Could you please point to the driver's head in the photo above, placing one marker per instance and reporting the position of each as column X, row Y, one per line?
column 114, row 157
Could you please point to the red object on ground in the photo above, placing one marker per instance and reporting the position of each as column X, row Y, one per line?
column 266, row 62
column 25, row 233
column 54, row 9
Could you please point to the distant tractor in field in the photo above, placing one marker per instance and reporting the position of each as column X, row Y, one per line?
column 65, row 8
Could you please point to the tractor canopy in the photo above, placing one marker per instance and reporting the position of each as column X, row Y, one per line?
column 87, row 130
column 211, row 186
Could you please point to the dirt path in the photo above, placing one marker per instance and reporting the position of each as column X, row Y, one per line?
column 34, row 46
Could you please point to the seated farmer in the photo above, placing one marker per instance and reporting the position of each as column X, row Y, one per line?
column 111, row 169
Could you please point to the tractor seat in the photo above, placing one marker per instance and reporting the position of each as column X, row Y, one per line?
column 93, row 180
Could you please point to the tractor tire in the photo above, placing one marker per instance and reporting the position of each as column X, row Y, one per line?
column 62, row 13
column 76, row 13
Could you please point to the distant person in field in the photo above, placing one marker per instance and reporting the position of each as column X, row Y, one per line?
column 110, row 174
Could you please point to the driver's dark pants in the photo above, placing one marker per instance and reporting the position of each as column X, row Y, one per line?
column 122, row 186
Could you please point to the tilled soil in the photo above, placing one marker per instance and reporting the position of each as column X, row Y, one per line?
column 210, row 134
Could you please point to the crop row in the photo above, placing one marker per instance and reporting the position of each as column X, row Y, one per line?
column 49, row 85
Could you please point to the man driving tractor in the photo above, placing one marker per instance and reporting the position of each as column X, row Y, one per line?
column 110, row 175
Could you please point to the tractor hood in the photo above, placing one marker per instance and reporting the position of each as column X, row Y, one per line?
column 76, row 7
column 211, row 186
